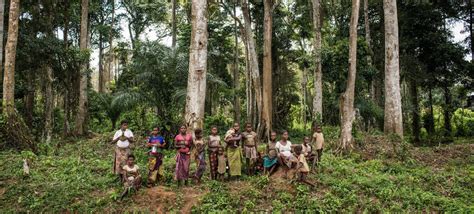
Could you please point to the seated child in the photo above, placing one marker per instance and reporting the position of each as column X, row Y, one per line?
column 302, row 166
column 222, row 164
column 307, row 149
column 131, row 176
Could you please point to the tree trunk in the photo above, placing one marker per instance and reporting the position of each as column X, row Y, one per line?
column 368, row 39
column 196, row 90
column 82, row 107
column 303, row 106
column 101, row 65
column 48, row 103
column 253, row 63
column 236, row 72
column 347, row 99
column 393, row 122
column 447, row 111
column 173, row 25
column 30, row 99
column 10, row 56
column 267, row 68
column 2, row 15
column 111, row 47
column 69, row 81
column 318, row 81
column 415, row 111
column 430, row 128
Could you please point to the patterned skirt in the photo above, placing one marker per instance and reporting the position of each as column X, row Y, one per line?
column 182, row 166
column 120, row 158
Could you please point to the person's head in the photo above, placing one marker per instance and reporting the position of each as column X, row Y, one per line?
column 131, row 160
column 273, row 136
column 248, row 127
column 284, row 135
column 198, row 133
column 124, row 125
column 155, row 131
column 236, row 127
column 298, row 149
column 182, row 129
column 305, row 140
column 214, row 130
column 319, row 129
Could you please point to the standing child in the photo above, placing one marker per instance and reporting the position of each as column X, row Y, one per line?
column 155, row 156
column 131, row 178
column 318, row 141
column 214, row 143
column 222, row 164
column 199, row 155
column 307, row 149
column 302, row 166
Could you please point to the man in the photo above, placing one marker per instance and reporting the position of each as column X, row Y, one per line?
column 250, row 148
column 122, row 138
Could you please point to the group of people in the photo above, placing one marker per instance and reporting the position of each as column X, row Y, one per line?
column 225, row 155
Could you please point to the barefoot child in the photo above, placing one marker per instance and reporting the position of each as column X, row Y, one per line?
column 307, row 150
column 318, row 142
column 214, row 143
column 131, row 178
column 199, row 155
column 155, row 156
column 302, row 166
column 222, row 164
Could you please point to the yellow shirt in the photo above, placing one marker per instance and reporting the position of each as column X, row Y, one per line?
column 303, row 165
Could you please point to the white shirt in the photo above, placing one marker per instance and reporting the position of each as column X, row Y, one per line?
column 125, row 143
column 284, row 149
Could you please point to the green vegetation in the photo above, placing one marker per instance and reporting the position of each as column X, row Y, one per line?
column 77, row 176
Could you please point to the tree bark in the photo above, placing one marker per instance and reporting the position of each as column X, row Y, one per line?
column 368, row 40
column 253, row 64
column 10, row 57
column 267, row 67
column 447, row 111
column 2, row 15
column 196, row 90
column 318, row 81
column 173, row 25
column 347, row 99
column 111, row 46
column 82, row 107
column 69, row 81
column 48, row 103
column 101, row 65
column 393, row 122
column 236, row 72
column 415, row 111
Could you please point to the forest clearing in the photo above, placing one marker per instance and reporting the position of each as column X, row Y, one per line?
column 239, row 106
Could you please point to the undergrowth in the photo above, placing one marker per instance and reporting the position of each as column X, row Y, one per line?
column 77, row 176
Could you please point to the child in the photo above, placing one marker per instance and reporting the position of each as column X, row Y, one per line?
column 307, row 149
column 214, row 143
column 131, row 176
column 230, row 133
column 222, row 164
column 199, row 155
column 318, row 141
column 302, row 166
column 155, row 156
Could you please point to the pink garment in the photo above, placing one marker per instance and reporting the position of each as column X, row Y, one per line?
column 187, row 142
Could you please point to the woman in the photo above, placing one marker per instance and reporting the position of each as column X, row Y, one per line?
column 284, row 150
column 234, row 150
column 155, row 156
column 122, row 138
column 270, row 160
column 213, row 145
column 183, row 144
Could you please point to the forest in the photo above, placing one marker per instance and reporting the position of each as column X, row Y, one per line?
column 389, row 83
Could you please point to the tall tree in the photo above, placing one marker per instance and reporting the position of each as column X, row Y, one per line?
column 393, row 122
column 196, row 89
column 2, row 15
column 173, row 24
column 10, row 56
column 236, row 69
column 111, row 43
column 267, row 67
column 48, row 74
column 318, row 81
column 82, row 108
column 252, row 62
column 347, row 99
column 368, row 40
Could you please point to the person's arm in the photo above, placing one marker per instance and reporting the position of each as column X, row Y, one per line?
column 116, row 138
